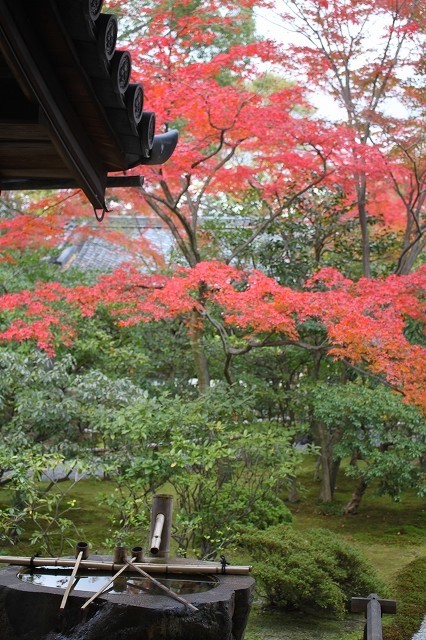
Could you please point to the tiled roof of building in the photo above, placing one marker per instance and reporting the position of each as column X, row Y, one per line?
column 98, row 254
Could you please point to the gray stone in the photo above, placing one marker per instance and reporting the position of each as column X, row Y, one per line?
column 31, row 612
column 421, row 633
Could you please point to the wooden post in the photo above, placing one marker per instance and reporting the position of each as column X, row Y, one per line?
column 374, row 620
column 373, row 606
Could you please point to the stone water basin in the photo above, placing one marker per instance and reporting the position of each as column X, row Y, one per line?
column 132, row 608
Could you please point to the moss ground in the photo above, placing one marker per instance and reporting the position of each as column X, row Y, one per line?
column 391, row 535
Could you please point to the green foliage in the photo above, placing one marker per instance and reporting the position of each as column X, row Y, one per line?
column 48, row 419
column 228, row 467
column 154, row 356
column 100, row 345
column 37, row 504
column 224, row 465
column 315, row 232
column 46, row 401
column 409, row 591
column 387, row 436
column 28, row 267
column 310, row 571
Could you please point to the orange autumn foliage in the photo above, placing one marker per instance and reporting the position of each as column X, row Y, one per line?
column 365, row 322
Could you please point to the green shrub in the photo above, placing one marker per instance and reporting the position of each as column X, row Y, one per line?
column 309, row 571
column 409, row 590
column 267, row 512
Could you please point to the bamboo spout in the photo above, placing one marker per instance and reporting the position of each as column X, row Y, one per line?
column 161, row 525
column 156, row 536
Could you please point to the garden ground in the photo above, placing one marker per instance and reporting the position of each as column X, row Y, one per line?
column 391, row 535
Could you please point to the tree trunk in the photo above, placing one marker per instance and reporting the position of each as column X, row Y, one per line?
column 329, row 467
column 355, row 501
column 361, row 190
column 334, row 473
column 293, row 493
column 326, row 493
column 409, row 257
column 200, row 360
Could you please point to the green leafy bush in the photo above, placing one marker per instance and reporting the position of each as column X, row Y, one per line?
column 224, row 466
column 309, row 571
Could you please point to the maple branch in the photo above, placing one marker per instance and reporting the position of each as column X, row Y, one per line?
column 416, row 241
column 171, row 203
column 410, row 202
column 237, row 113
column 227, row 369
column 214, row 152
column 419, row 179
column 283, row 342
column 10, row 207
column 168, row 220
column 58, row 202
column 268, row 341
column 173, row 206
column 224, row 340
column 376, row 97
column 215, row 169
column 372, row 376
column 222, row 130
column 263, row 225
column 327, row 48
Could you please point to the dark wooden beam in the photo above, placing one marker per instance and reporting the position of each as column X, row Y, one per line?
column 359, row 605
column 70, row 69
column 32, row 184
column 18, row 130
column 25, row 56
column 24, row 155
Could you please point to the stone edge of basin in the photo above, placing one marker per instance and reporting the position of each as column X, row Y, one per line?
column 226, row 584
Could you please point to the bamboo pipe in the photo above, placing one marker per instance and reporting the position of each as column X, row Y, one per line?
column 138, row 553
column 84, row 547
column 161, row 525
column 111, row 566
column 157, row 533
column 71, row 581
column 163, row 587
column 105, row 586
column 119, row 556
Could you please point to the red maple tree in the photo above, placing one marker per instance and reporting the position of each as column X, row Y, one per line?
column 364, row 321
column 369, row 58
column 236, row 139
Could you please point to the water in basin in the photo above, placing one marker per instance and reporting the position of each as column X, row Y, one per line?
column 92, row 580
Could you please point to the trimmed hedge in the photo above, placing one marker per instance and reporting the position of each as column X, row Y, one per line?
column 309, row 571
